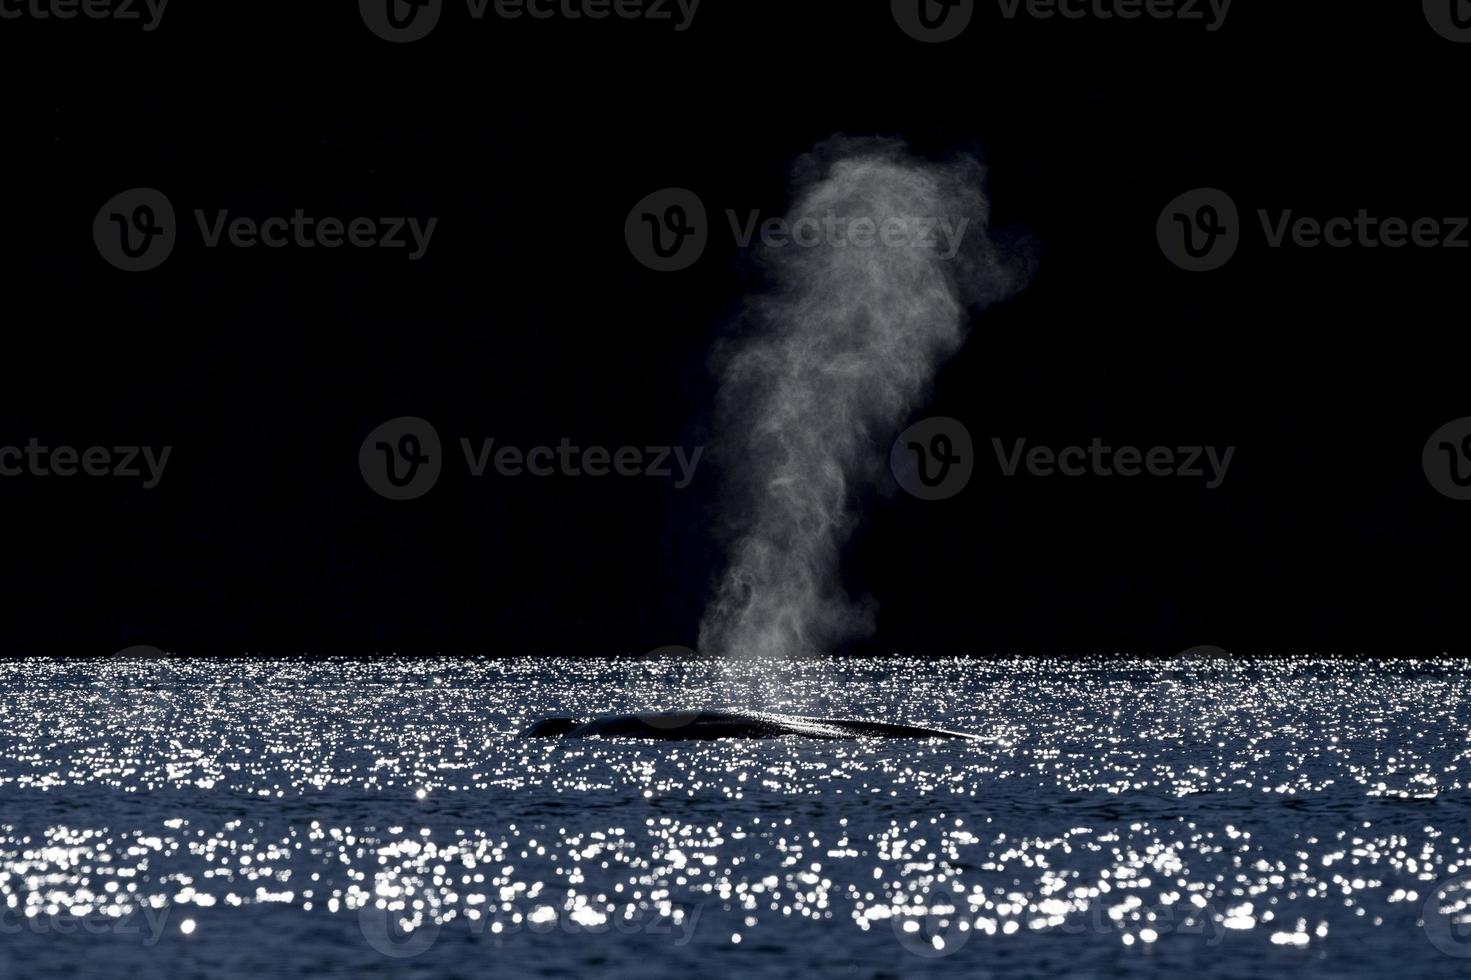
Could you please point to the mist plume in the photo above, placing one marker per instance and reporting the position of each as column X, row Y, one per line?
column 825, row 367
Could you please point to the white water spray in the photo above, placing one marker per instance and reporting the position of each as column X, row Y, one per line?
column 828, row 365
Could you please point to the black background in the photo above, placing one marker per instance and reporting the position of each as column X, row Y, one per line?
column 529, row 321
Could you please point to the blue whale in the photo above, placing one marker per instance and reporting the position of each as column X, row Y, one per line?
column 707, row 725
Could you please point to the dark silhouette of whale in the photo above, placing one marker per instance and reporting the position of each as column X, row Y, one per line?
column 704, row 725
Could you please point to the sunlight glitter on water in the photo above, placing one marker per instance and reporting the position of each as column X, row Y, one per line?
column 1255, row 810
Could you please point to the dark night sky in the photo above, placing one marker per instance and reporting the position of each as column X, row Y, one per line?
column 529, row 321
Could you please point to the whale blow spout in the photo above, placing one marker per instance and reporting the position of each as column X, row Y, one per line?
column 707, row 725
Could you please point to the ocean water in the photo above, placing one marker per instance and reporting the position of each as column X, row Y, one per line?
column 1209, row 817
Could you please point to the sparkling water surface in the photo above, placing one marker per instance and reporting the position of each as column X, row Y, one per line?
column 1206, row 816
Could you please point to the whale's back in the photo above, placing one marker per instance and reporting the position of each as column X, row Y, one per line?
column 709, row 725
